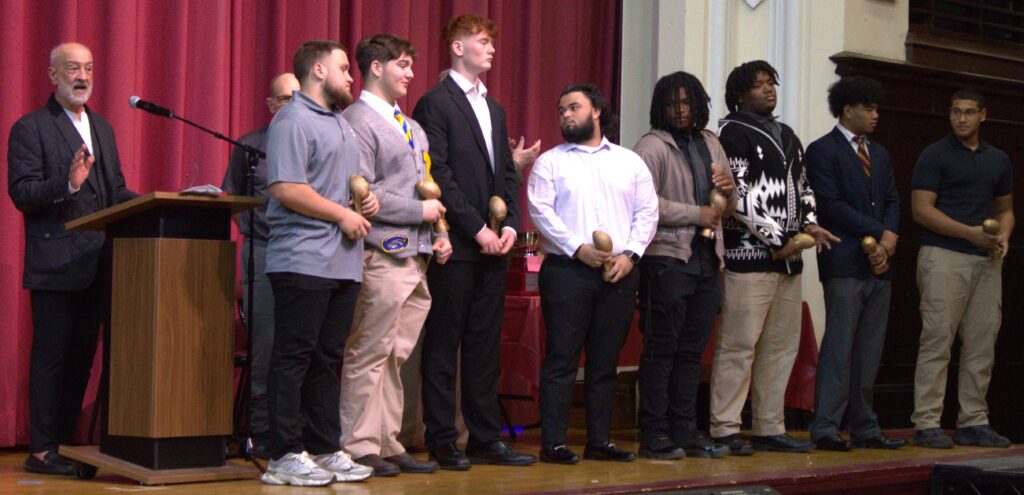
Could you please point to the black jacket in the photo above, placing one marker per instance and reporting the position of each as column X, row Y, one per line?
column 461, row 165
column 41, row 147
column 775, row 200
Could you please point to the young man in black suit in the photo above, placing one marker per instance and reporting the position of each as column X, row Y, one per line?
column 471, row 162
column 62, row 164
column 852, row 179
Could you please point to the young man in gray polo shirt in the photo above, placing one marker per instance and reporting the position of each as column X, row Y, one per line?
column 959, row 182
column 315, row 265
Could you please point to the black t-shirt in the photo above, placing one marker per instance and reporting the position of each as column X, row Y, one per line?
column 966, row 183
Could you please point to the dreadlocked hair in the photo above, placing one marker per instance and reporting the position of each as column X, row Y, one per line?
column 742, row 79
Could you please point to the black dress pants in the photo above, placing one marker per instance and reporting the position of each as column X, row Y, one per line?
column 677, row 312
column 467, row 307
column 581, row 311
column 312, row 319
column 65, row 331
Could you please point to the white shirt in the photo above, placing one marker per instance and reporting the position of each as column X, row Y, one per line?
column 383, row 108
column 852, row 139
column 575, row 190
column 477, row 96
column 84, row 130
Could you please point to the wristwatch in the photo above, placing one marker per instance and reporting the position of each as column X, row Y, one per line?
column 635, row 258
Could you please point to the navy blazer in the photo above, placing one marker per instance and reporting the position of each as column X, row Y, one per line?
column 41, row 147
column 461, row 165
column 851, row 205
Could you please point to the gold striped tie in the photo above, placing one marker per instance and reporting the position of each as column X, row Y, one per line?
column 862, row 152
column 405, row 128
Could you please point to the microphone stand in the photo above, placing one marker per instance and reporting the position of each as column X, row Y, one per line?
column 253, row 155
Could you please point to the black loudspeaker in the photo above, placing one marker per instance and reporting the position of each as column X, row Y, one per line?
column 986, row 476
column 724, row 490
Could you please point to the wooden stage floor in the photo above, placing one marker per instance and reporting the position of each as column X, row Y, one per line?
column 906, row 470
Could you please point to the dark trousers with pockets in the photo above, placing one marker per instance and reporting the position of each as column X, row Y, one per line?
column 312, row 318
column 581, row 311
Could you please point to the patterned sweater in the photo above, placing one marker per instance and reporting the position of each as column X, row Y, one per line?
column 775, row 200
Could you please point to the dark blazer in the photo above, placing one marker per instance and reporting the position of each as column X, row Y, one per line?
column 41, row 147
column 461, row 165
column 850, row 205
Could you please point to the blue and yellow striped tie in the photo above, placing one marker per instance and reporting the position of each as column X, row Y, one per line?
column 405, row 129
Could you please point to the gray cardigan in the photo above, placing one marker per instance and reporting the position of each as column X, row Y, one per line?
column 386, row 160
column 678, row 212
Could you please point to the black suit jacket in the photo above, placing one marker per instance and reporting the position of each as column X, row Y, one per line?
column 461, row 165
column 850, row 205
column 42, row 145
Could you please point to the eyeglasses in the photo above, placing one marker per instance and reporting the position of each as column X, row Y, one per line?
column 956, row 113
column 73, row 69
column 281, row 98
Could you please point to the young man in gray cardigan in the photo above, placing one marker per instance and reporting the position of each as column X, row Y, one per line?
column 394, row 299
column 680, row 290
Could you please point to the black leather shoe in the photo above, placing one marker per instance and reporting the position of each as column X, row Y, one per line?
column 607, row 452
column 381, row 468
column 661, row 447
column 736, row 444
column 499, row 453
column 833, row 442
column 448, row 457
column 780, row 443
column 559, row 454
column 698, row 444
column 409, row 464
column 879, row 442
column 52, row 463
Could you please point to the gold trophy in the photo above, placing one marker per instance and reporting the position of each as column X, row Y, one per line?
column 991, row 227
column 718, row 201
column 802, row 240
column 498, row 211
column 429, row 189
column 603, row 242
column 870, row 247
column 360, row 190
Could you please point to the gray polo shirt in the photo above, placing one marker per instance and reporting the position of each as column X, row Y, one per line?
column 307, row 144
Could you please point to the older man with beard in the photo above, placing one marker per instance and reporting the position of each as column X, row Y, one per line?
column 62, row 164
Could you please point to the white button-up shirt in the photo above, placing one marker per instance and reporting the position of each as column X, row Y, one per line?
column 575, row 190
column 477, row 96
column 851, row 138
column 385, row 109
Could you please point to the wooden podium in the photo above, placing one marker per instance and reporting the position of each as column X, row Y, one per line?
column 171, row 338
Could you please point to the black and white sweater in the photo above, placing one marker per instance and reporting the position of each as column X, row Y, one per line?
column 775, row 199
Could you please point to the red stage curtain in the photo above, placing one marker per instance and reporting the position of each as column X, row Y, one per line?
column 211, row 61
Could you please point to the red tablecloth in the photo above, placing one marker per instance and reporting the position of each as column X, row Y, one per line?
column 522, row 352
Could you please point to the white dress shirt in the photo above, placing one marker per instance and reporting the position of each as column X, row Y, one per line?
column 851, row 138
column 384, row 109
column 84, row 130
column 477, row 96
column 575, row 190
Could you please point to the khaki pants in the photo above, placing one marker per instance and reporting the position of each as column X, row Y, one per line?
column 961, row 295
column 760, row 334
column 393, row 304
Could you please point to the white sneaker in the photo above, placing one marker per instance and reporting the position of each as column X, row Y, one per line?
column 340, row 463
column 297, row 470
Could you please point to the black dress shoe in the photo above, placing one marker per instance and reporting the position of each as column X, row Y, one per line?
column 780, row 443
column 880, row 442
column 381, row 468
column 661, row 447
column 833, row 442
column 559, row 454
column 736, row 444
column 52, row 463
column 409, row 464
column 499, row 453
column 607, row 452
column 697, row 444
column 448, row 457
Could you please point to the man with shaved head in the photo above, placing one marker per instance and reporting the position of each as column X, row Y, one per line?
column 62, row 164
column 235, row 182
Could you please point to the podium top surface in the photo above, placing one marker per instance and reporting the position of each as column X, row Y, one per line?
column 100, row 219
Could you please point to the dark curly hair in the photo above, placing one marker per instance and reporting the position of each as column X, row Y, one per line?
column 609, row 121
column 854, row 90
column 742, row 79
column 664, row 101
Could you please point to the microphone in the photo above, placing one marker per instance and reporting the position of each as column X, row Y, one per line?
column 153, row 108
